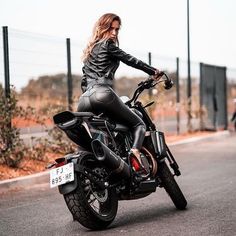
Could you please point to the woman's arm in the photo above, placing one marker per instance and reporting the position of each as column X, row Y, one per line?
column 129, row 60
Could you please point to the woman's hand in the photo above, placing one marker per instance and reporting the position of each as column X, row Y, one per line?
column 158, row 74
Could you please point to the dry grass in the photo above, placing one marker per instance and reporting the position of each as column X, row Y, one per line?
column 29, row 166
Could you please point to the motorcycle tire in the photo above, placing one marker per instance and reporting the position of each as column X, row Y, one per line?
column 171, row 186
column 79, row 202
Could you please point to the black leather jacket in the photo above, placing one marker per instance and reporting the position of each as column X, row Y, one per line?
column 101, row 65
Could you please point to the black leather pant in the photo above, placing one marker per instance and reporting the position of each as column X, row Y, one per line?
column 102, row 99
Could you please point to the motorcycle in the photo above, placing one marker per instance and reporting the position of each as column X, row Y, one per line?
column 102, row 172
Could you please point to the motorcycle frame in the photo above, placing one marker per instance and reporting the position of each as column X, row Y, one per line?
column 158, row 145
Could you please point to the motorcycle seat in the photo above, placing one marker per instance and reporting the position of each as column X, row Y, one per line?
column 66, row 116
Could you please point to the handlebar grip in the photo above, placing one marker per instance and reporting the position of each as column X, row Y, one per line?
column 161, row 73
column 168, row 84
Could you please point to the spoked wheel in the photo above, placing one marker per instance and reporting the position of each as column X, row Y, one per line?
column 91, row 206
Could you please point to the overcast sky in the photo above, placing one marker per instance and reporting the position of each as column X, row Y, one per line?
column 158, row 26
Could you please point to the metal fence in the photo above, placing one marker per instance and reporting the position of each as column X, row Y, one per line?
column 36, row 56
column 213, row 98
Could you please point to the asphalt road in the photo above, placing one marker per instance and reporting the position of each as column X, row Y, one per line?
column 208, row 181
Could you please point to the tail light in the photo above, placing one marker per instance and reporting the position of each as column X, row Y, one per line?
column 60, row 162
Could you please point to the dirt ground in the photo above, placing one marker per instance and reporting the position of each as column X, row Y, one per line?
column 26, row 167
column 29, row 166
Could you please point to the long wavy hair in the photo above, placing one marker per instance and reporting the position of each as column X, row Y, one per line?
column 100, row 32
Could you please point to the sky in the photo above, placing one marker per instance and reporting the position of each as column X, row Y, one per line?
column 155, row 26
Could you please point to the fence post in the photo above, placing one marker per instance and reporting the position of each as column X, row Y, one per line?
column 201, row 100
column 177, row 96
column 226, row 95
column 6, row 61
column 7, row 77
column 69, row 76
column 6, row 66
column 150, row 63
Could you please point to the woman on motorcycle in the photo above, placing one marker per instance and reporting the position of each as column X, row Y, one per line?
column 101, row 59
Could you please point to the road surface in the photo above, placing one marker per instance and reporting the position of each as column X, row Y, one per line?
column 208, row 181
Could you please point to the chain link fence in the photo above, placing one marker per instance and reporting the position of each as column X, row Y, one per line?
column 38, row 71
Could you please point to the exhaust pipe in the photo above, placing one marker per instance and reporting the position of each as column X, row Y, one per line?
column 110, row 159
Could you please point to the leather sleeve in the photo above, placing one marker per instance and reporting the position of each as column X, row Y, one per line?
column 129, row 60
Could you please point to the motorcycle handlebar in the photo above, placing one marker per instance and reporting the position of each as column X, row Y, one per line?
column 150, row 83
column 168, row 83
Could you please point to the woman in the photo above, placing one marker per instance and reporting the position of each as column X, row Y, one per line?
column 101, row 60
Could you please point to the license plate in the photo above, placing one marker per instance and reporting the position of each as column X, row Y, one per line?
column 61, row 175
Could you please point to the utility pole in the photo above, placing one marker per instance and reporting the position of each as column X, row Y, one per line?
column 189, row 125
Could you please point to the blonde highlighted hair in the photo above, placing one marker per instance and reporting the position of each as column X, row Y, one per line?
column 100, row 32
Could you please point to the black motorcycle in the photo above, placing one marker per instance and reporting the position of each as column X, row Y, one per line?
column 102, row 171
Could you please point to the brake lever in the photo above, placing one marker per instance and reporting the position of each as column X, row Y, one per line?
column 149, row 104
column 157, row 82
column 148, row 83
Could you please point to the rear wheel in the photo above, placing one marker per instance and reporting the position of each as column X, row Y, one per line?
column 90, row 206
column 171, row 186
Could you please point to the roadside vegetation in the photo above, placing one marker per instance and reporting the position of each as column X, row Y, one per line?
column 46, row 96
column 12, row 148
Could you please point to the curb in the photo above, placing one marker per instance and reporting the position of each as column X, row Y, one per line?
column 212, row 136
column 43, row 177
column 24, row 182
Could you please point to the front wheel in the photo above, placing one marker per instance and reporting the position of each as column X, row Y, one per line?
column 90, row 206
column 171, row 187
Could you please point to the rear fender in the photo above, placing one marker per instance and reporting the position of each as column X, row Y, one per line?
column 76, row 159
column 69, row 187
